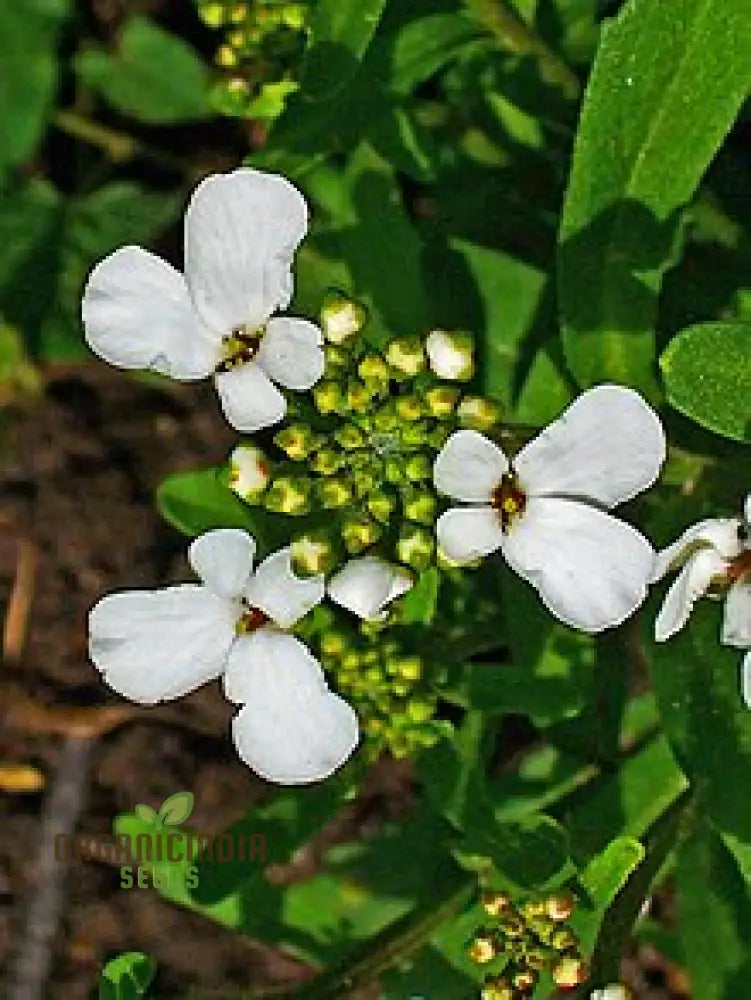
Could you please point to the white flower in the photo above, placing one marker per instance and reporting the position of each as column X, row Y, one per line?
column 241, row 232
column 249, row 471
column 615, row 991
column 156, row 645
column 712, row 553
column 366, row 586
column 545, row 511
column 450, row 355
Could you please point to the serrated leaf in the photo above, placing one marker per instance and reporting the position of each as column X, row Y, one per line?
column 667, row 83
column 154, row 76
column 707, row 372
column 177, row 808
column 340, row 34
column 127, row 977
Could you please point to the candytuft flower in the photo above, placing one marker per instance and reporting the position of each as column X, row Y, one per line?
column 156, row 645
column 366, row 586
column 241, row 232
column 544, row 509
column 713, row 555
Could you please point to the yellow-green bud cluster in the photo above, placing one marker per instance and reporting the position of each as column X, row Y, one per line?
column 364, row 451
column 262, row 47
column 393, row 691
column 524, row 940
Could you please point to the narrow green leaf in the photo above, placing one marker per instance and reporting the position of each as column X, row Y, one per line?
column 340, row 34
column 668, row 81
column 602, row 880
column 707, row 372
column 419, row 605
column 154, row 76
column 421, row 47
column 127, row 977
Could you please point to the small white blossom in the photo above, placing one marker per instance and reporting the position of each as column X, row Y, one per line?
column 715, row 553
column 450, row 355
column 544, row 510
column 156, row 645
column 614, row 991
column 249, row 471
column 241, row 232
column 366, row 586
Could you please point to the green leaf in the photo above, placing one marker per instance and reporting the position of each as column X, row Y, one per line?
column 696, row 681
column 714, row 915
column 602, row 879
column 146, row 813
column 126, row 977
column 153, row 77
column 421, row 47
column 340, row 34
column 28, row 75
column 707, row 372
column 176, row 809
column 668, row 81
column 528, row 853
column 419, row 605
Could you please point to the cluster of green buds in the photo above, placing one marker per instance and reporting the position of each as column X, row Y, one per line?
column 262, row 46
column 393, row 691
column 525, row 940
column 358, row 451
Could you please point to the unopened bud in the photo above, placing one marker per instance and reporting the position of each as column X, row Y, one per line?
column 409, row 668
column 614, row 991
column 326, row 462
column 328, row 397
column 415, row 547
column 381, row 505
column 419, row 710
column 533, row 909
column 333, row 644
column 420, row 506
column 409, row 407
column 349, row 437
column 483, row 949
column 496, row 903
column 418, row 467
column 238, row 13
column 248, row 472
column 479, row 413
column 226, row 57
column 406, row 355
column 358, row 397
column 497, row 988
column 296, row 441
column 568, row 973
column 288, row 495
column 212, row 14
column 560, row 906
column 373, row 368
column 336, row 358
column 312, row 554
column 441, row 401
column 359, row 534
column 333, row 493
column 564, row 940
column 525, row 981
column 451, row 355
column 341, row 318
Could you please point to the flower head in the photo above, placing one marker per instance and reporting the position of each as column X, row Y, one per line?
column 544, row 510
column 241, row 232
column 714, row 557
column 156, row 645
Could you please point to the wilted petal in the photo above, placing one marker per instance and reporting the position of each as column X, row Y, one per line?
column 241, row 232
column 467, row 533
column 721, row 534
column 250, row 401
column 469, row 467
column 291, row 352
column 223, row 558
column 285, row 597
column 292, row 730
column 366, row 586
column 736, row 625
column 607, row 446
column 590, row 569
column 157, row 645
column 137, row 313
column 691, row 583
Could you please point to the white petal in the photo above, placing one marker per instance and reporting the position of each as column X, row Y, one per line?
column 469, row 467
column 284, row 596
column 720, row 534
column 291, row 352
column 590, row 569
column 366, row 586
column 249, row 400
column 746, row 680
column 747, row 510
column 241, row 232
column 292, row 730
column 736, row 626
column 137, row 313
column 157, row 645
column 249, row 471
column 223, row 558
column 468, row 533
column 607, row 446
column 691, row 583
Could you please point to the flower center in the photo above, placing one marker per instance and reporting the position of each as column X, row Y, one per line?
column 509, row 499
column 239, row 347
column 250, row 619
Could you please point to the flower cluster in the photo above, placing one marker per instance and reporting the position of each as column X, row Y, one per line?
column 523, row 941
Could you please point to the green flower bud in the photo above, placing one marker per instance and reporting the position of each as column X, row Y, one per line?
column 416, row 435
column 386, row 420
column 533, row 909
column 406, row 355
column 381, row 505
column 358, row 397
column 295, row 16
column 564, row 940
column 351, row 661
column 497, row 988
column 393, row 470
column 336, row 359
column 359, row 534
column 238, row 13
column 333, row 644
column 418, row 467
column 333, row 493
column 312, row 554
column 420, row 506
column 296, row 441
column 212, row 14
column 569, row 973
column 496, row 903
column 248, row 472
column 364, row 481
column 415, row 547
column 372, row 368
column 288, row 495
column 441, row 401
column 326, row 462
column 525, row 981
column 328, row 397
column 560, row 906
column 349, row 437
column 478, row 413
column 409, row 668
column 451, row 355
column 483, row 948
column 409, row 407
column 226, row 57
column 237, row 39
column 341, row 318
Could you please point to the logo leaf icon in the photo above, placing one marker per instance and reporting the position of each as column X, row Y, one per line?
column 146, row 814
column 176, row 809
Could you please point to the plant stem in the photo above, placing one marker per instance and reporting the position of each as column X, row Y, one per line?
column 517, row 37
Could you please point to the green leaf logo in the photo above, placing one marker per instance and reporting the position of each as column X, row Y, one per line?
column 146, row 814
column 176, row 809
